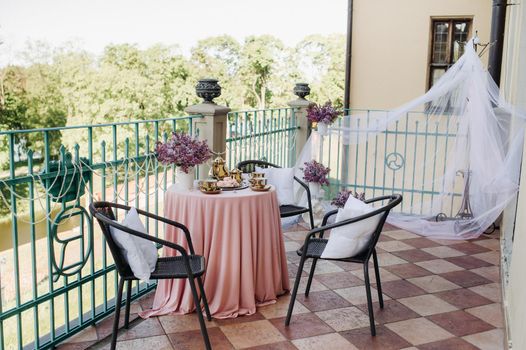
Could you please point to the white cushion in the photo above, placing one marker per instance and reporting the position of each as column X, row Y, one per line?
column 351, row 239
column 139, row 253
column 283, row 180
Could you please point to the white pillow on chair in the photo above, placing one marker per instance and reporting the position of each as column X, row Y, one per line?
column 283, row 180
column 351, row 239
column 139, row 253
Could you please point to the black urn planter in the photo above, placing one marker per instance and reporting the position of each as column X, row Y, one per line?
column 208, row 89
column 302, row 90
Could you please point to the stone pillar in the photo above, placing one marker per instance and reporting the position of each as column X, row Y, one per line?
column 301, row 104
column 212, row 126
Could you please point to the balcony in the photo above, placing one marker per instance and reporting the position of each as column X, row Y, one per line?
column 59, row 281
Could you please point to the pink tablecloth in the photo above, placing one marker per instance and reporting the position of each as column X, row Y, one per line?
column 239, row 234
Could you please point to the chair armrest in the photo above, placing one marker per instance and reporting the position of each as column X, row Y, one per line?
column 142, row 235
column 306, row 187
column 383, row 198
column 327, row 216
column 172, row 223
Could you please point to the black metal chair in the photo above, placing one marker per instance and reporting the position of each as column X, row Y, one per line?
column 190, row 266
column 314, row 246
column 248, row 166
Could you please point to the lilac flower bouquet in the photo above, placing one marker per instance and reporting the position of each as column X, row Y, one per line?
column 342, row 196
column 316, row 172
column 322, row 114
column 183, row 151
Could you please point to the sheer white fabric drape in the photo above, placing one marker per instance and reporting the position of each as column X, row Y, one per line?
column 487, row 146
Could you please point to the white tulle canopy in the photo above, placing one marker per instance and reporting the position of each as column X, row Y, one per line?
column 465, row 177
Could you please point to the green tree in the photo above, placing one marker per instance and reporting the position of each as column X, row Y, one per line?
column 322, row 62
column 129, row 84
column 29, row 98
column 171, row 82
column 260, row 57
column 13, row 108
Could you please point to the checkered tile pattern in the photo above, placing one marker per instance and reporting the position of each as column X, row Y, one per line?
column 438, row 294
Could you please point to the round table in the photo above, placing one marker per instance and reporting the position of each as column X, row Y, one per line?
column 239, row 234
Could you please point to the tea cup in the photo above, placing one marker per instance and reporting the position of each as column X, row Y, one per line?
column 259, row 182
column 255, row 175
column 208, row 185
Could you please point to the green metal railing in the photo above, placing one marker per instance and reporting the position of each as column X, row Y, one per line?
column 56, row 274
column 268, row 134
column 408, row 158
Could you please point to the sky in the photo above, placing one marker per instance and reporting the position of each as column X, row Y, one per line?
column 93, row 24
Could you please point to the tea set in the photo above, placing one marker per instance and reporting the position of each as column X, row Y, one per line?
column 220, row 179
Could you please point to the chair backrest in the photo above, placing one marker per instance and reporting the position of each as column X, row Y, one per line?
column 393, row 201
column 249, row 166
column 103, row 212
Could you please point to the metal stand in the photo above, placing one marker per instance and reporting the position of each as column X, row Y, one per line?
column 464, row 213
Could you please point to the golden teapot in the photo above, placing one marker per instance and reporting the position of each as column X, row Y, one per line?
column 218, row 169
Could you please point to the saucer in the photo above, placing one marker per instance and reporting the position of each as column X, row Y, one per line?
column 264, row 189
column 211, row 192
column 242, row 186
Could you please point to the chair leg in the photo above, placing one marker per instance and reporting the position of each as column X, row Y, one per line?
column 369, row 298
column 294, row 291
column 117, row 314
column 311, row 274
column 128, row 301
column 311, row 217
column 203, row 296
column 199, row 312
column 378, row 282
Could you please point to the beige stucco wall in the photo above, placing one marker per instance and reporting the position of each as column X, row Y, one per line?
column 390, row 48
column 513, row 87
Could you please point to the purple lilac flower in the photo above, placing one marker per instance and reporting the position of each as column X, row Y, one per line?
column 183, row 151
column 322, row 114
column 316, row 172
column 342, row 196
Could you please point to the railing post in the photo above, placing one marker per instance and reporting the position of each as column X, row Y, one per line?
column 300, row 105
column 212, row 126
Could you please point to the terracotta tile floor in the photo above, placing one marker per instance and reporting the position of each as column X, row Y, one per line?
column 438, row 295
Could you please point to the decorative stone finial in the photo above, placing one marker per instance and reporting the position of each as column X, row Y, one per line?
column 208, row 89
column 301, row 90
